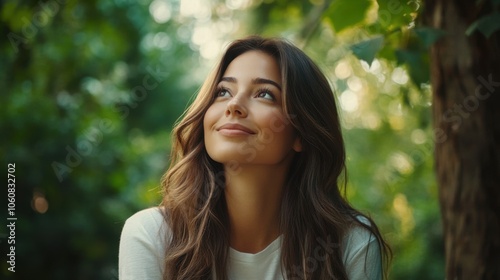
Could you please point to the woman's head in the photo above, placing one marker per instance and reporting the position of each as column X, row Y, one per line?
column 245, row 124
column 306, row 98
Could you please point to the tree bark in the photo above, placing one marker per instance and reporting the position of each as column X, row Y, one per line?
column 465, row 77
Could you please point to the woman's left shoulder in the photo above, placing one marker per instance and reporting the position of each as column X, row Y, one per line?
column 358, row 236
column 361, row 251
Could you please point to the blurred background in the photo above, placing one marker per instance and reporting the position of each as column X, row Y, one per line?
column 90, row 91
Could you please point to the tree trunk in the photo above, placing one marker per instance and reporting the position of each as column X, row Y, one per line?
column 465, row 77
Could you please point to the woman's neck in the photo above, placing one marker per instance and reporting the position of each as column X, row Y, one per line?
column 253, row 195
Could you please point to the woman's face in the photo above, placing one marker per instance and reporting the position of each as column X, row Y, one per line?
column 245, row 123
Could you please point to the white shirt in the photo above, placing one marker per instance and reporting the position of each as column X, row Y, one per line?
column 142, row 253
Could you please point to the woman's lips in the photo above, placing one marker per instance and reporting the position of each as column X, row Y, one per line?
column 234, row 129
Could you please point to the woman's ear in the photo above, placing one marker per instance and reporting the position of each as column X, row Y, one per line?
column 297, row 144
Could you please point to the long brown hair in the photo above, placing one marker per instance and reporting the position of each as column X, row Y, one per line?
column 313, row 206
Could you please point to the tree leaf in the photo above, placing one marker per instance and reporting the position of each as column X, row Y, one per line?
column 366, row 50
column 428, row 35
column 344, row 14
column 417, row 65
column 486, row 25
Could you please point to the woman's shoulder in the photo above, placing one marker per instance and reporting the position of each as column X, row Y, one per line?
column 148, row 222
column 142, row 245
column 358, row 235
column 361, row 251
column 148, row 217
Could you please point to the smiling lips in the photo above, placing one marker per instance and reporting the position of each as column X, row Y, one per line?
column 234, row 129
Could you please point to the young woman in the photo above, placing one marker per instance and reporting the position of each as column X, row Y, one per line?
column 252, row 191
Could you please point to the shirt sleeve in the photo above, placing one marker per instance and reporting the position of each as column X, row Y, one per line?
column 141, row 251
column 362, row 256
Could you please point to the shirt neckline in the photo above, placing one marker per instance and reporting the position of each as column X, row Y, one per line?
column 249, row 257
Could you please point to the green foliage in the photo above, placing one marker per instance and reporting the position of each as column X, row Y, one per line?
column 368, row 49
column 345, row 14
column 486, row 25
column 428, row 36
column 78, row 106
column 91, row 90
column 417, row 64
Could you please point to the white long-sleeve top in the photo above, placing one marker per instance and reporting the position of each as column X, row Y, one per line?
column 142, row 253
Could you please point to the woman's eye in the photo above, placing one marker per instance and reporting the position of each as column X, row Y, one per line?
column 266, row 95
column 223, row 92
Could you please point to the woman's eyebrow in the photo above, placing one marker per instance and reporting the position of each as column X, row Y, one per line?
column 266, row 81
column 254, row 81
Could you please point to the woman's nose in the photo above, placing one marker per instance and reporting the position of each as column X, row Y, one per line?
column 236, row 108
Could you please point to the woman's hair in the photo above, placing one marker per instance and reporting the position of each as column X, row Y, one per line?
column 313, row 207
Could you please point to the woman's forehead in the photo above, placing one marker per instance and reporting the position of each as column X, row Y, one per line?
column 254, row 64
